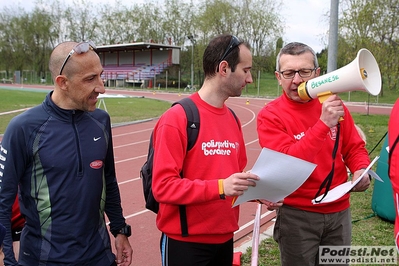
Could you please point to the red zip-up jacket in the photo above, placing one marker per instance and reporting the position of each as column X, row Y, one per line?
column 393, row 137
column 295, row 129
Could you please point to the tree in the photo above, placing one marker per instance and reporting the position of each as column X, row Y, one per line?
column 39, row 38
column 372, row 25
column 117, row 25
column 27, row 40
column 28, row 37
column 81, row 21
column 11, row 41
column 178, row 21
column 261, row 27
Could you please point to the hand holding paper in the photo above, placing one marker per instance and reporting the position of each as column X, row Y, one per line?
column 235, row 184
column 344, row 188
column 280, row 175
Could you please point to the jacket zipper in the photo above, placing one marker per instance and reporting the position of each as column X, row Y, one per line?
column 80, row 167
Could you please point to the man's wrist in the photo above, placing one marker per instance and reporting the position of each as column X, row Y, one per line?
column 367, row 173
column 126, row 230
column 221, row 189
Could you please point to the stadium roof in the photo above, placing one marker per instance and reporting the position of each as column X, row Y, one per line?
column 135, row 46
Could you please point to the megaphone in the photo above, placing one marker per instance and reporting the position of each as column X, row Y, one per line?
column 361, row 74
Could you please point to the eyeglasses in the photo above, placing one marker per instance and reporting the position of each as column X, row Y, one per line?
column 303, row 73
column 80, row 48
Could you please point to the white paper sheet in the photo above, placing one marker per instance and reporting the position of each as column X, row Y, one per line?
column 280, row 175
column 344, row 188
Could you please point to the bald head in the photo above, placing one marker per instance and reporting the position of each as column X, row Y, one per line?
column 76, row 70
column 58, row 56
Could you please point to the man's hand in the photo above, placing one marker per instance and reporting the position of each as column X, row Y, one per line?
column 271, row 206
column 124, row 251
column 237, row 183
column 363, row 184
column 332, row 111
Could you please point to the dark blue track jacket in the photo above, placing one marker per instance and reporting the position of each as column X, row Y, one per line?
column 63, row 162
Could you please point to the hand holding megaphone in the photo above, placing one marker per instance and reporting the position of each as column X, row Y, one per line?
column 362, row 74
column 332, row 111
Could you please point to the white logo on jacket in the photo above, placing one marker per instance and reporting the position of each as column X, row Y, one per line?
column 333, row 133
column 213, row 147
column 299, row 136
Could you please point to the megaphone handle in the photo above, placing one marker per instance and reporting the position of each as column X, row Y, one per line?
column 324, row 96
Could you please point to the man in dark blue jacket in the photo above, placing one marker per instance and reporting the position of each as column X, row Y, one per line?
column 60, row 155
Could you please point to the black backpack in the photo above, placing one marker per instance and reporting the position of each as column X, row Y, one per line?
column 193, row 126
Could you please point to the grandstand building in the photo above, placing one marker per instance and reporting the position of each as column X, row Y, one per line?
column 136, row 63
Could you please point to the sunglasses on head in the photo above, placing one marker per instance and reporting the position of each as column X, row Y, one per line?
column 80, row 48
column 234, row 42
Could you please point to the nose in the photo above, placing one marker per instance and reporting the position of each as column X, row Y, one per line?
column 100, row 88
column 249, row 78
column 297, row 79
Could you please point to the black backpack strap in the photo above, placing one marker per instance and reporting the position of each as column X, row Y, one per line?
column 235, row 116
column 193, row 120
column 193, row 125
column 183, row 220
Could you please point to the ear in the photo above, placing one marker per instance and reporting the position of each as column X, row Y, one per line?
column 223, row 67
column 317, row 72
column 278, row 77
column 62, row 82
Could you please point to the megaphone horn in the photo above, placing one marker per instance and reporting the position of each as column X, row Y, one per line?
column 361, row 74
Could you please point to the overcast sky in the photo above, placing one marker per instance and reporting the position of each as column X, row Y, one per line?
column 306, row 20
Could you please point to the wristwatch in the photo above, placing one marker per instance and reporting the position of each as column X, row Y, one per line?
column 126, row 230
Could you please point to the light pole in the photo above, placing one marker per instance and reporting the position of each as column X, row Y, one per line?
column 191, row 38
column 333, row 37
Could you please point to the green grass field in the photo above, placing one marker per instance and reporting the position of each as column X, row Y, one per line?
column 368, row 229
column 120, row 109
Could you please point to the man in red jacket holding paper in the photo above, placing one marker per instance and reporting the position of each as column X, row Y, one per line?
column 212, row 169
